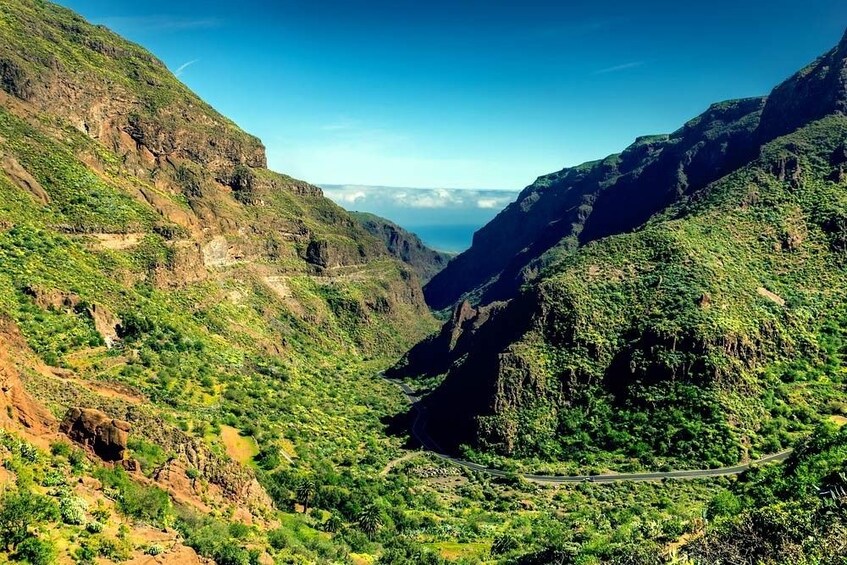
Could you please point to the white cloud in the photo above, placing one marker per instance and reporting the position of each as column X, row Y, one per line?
column 419, row 198
column 618, row 68
column 487, row 203
column 181, row 69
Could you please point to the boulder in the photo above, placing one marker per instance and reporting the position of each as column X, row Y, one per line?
column 105, row 436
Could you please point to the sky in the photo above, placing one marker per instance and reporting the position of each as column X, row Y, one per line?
column 485, row 94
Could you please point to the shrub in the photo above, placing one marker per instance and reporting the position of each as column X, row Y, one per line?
column 36, row 551
column 18, row 511
column 504, row 543
column 73, row 509
column 154, row 550
column 60, row 449
column 147, row 503
column 229, row 553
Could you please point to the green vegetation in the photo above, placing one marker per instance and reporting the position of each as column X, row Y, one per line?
column 238, row 321
column 792, row 512
column 713, row 332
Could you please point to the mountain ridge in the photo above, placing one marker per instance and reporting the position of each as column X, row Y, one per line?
column 633, row 326
column 404, row 245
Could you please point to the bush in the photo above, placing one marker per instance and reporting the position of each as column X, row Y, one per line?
column 504, row 543
column 36, row 551
column 60, row 449
column 724, row 504
column 279, row 539
column 154, row 550
column 147, row 503
column 73, row 509
column 18, row 511
column 229, row 553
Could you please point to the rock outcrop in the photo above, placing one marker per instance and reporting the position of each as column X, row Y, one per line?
column 105, row 436
column 15, row 403
column 106, row 323
column 672, row 270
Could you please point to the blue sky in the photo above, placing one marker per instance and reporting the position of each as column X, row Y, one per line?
column 467, row 93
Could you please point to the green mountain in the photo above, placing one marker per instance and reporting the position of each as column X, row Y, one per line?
column 155, row 273
column 191, row 345
column 680, row 303
column 404, row 245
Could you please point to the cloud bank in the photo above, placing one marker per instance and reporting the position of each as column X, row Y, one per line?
column 360, row 197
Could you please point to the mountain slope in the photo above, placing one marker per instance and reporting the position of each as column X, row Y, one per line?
column 155, row 273
column 404, row 245
column 564, row 210
column 690, row 296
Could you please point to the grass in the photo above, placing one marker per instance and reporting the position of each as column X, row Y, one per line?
column 238, row 447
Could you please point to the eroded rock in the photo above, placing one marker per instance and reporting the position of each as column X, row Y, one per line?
column 95, row 430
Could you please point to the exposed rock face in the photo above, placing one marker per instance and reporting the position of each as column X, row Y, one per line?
column 23, row 179
column 176, row 555
column 106, row 323
column 14, row 80
column 816, row 91
column 627, row 281
column 458, row 337
column 105, row 436
column 231, row 479
column 53, row 298
column 577, row 205
column 15, row 402
column 329, row 253
column 616, row 194
column 186, row 265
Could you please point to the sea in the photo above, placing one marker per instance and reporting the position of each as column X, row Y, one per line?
column 452, row 238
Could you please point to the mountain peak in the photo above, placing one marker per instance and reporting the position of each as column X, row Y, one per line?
column 818, row 90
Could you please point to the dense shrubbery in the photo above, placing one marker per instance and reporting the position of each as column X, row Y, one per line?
column 147, row 503
column 793, row 512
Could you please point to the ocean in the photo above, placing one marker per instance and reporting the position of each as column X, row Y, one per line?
column 451, row 238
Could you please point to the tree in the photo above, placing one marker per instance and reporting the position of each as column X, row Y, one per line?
column 504, row 543
column 18, row 511
column 304, row 492
column 333, row 524
column 370, row 520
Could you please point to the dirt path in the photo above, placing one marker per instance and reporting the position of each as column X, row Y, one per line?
column 108, row 390
column 394, row 462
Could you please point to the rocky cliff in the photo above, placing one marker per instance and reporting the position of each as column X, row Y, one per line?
column 166, row 286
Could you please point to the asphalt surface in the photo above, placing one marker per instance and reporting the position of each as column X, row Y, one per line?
column 419, row 433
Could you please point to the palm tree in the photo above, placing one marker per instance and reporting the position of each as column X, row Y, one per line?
column 334, row 524
column 304, row 493
column 370, row 520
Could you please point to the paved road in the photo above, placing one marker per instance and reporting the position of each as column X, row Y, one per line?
column 419, row 433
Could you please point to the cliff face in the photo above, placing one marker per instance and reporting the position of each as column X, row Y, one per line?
column 577, row 205
column 669, row 287
column 405, row 246
column 171, row 165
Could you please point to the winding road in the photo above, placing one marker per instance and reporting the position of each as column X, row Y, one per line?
column 419, row 433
